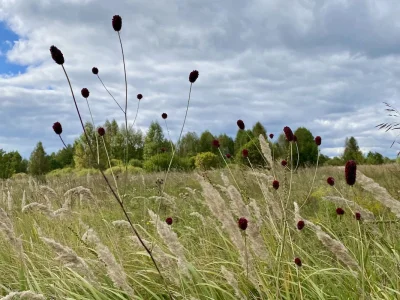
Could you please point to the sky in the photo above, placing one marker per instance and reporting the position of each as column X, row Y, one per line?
column 327, row 65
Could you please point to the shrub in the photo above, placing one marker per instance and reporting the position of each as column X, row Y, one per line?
column 206, row 161
column 136, row 163
column 116, row 162
column 118, row 170
column 160, row 162
column 254, row 155
column 60, row 172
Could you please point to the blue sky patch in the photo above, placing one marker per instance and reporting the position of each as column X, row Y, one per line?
column 7, row 38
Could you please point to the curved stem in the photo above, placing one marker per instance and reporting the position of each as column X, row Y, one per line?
column 95, row 135
column 65, row 146
column 110, row 93
column 312, row 184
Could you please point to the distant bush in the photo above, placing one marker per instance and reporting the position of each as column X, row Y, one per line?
column 20, row 176
column 206, row 161
column 160, row 162
column 118, row 170
column 84, row 172
column 255, row 156
column 116, row 162
column 136, row 163
column 61, row 172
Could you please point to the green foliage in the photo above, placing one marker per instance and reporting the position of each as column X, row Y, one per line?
column 38, row 162
column 61, row 172
column 255, row 157
column 352, row 151
column 189, row 144
column 11, row 163
column 308, row 150
column 336, row 161
column 205, row 142
column 154, row 141
column 258, row 129
column 119, row 170
column 160, row 162
column 136, row 163
column 63, row 158
column 206, row 161
column 116, row 162
column 242, row 138
column 280, row 147
column 226, row 144
column 374, row 158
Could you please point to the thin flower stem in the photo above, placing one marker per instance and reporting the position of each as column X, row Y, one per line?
column 259, row 151
column 169, row 137
column 247, row 255
column 298, row 157
column 65, row 146
column 95, row 135
column 113, row 192
column 137, row 111
column 229, row 169
column 109, row 163
column 110, row 93
column 313, row 181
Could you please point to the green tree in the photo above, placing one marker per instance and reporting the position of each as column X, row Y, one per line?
column 242, row 138
column 308, row 150
column 189, row 145
column 374, row 158
column 154, row 140
column 258, row 129
column 205, row 142
column 11, row 163
column 38, row 162
column 255, row 157
column 227, row 144
column 352, row 151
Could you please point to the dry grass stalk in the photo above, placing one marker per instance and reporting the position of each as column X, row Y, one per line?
column 231, row 279
column 365, row 213
column 379, row 193
column 334, row 246
column 27, row 295
column 10, row 201
column 121, row 224
column 170, row 238
column 69, row 258
column 82, row 192
column 40, row 207
column 266, row 150
column 7, row 228
column 200, row 216
column 225, row 179
column 47, row 189
column 114, row 270
column 23, row 201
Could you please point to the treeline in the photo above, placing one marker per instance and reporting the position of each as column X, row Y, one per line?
column 152, row 151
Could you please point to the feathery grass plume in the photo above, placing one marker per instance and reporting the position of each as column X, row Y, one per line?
column 366, row 214
column 334, row 246
column 200, row 216
column 69, row 258
column 77, row 191
column 114, row 270
column 232, row 281
column 379, row 193
column 10, row 201
column 170, row 238
column 45, row 188
column 39, row 207
column 27, row 295
column 266, row 150
column 225, row 179
column 23, row 201
column 121, row 224
column 7, row 228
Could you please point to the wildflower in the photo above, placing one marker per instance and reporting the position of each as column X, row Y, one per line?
column 284, row 163
column 350, row 172
column 193, row 76
column 242, row 223
column 271, row 135
column 139, row 96
column 330, row 181
column 357, row 215
column 57, row 128
column 297, row 261
column 275, row 184
column 318, row 140
column 57, row 55
column 216, row 143
column 95, row 71
column 163, row 149
column 245, row 153
column 164, row 116
column 101, row 131
column 288, row 133
column 300, row 225
column 339, row 211
column 240, row 124
column 85, row 93
column 117, row 23
column 168, row 220
column 228, row 155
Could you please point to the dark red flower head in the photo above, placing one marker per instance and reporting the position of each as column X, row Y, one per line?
column 240, row 124
column 330, row 181
column 164, row 116
column 297, row 261
column 95, row 71
column 163, row 149
column 101, row 131
column 245, row 153
column 275, row 184
column 318, row 140
column 117, row 23
column 288, row 133
column 350, row 171
column 284, row 163
column 57, row 55
column 139, row 96
column 300, row 225
column 168, row 220
column 357, row 215
column 215, row 143
column 340, row 211
column 57, row 128
column 242, row 223
column 271, row 135
column 85, row 93
column 294, row 138
column 228, row 155
column 193, row 76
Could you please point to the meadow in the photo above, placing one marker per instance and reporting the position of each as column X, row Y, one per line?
column 238, row 232
column 68, row 239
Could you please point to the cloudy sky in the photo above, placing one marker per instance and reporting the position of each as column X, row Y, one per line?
column 325, row 65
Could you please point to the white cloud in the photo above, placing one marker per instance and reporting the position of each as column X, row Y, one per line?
column 295, row 63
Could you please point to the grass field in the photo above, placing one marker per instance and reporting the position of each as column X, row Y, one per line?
column 70, row 244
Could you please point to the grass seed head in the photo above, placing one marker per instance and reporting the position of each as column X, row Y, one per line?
column 57, row 55
column 101, row 131
column 85, row 93
column 240, row 124
column 95, row 71
column 242, row 223
column 318, row 140
column 331, row 181
column 340, row 211
column 350, row 171
column 288, row 133
column 215, row 143
column 139, row 96
column 164, row 116
column 275, row 184
column 57, row 128
column 245, row 153
column 117, row 22
column 297, row 261
column 168, row 221
column 300, row 225
column 271, row 135
column 193, row 76
column 284, row 163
